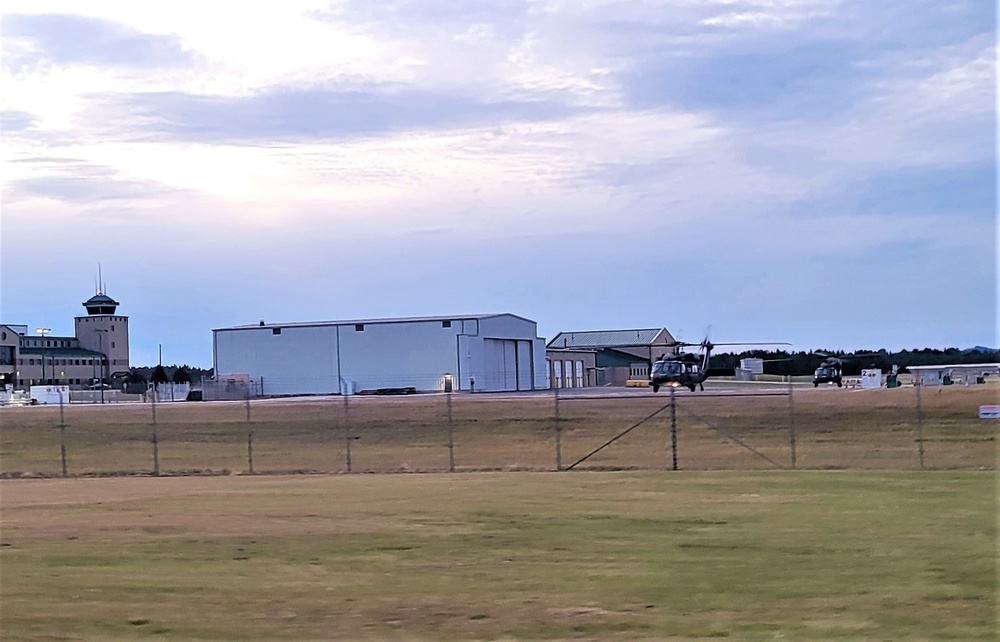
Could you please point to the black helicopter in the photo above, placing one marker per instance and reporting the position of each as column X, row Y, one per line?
column 831, row 370
column 688, row 369
column 685, row 369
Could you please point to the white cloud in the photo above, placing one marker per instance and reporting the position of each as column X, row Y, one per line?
column 591, row 166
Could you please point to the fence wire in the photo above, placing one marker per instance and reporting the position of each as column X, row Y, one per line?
column 592, row 429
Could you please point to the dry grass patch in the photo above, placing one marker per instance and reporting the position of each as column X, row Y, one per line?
column 636, row 555
column 832, row 428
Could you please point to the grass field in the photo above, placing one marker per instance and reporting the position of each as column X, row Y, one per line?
column 833, row 429
column 746, row 555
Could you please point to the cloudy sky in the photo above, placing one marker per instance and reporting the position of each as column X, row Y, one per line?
column 820, row 172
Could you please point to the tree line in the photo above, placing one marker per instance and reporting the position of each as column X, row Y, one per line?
column 780, row 362
column 164, row 374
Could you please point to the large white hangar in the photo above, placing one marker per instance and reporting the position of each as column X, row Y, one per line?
column 481, row 353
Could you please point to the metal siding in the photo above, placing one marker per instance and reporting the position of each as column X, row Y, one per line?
column 510, row 365
column 524, row 365
column 309, row 358
column 499, row 357
column 507, row 326
column 606, row 338
column 297, row 361
column 464, row 362
column 396, row 355
column 492, row 365
column 470, row 326
column 540, row 364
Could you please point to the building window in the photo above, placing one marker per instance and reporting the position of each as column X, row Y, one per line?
column 446, row 324
column 112, row 327
column 112, row 345
column 359, row 327
column 275, row 330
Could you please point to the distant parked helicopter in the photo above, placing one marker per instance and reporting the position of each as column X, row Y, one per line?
column 831, row 370
column 688, row 369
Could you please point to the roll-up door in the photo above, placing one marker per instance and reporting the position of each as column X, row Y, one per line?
column 500, row 364
column 524, row 365
column 509, row 365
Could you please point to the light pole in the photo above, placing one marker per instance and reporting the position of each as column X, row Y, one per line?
column 43, row 332
column 100, row 346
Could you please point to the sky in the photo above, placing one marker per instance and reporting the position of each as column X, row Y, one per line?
column 816, row 172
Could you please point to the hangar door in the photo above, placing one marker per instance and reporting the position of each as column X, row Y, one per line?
column 507, row 364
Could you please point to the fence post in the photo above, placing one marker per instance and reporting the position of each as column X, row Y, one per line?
column 791, row 420
column 920, row 428
column 62, row 435
column 249, row 441
column 347, row 432
column 559, row 465
column 673, row 426
column 156, row 453
column 451, row 437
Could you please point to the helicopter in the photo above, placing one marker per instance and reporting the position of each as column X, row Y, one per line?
column 831, row 369
column 684, row 369
column 688, row 369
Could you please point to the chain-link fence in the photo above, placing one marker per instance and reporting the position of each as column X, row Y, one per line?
column 737, row 428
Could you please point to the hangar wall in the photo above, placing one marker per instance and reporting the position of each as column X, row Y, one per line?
column 292, row 360
column 483, row 353
column 397, row 355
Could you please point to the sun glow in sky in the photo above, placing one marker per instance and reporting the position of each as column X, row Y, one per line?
column 822, row 173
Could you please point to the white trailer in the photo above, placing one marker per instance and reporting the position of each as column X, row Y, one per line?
column 50, row 395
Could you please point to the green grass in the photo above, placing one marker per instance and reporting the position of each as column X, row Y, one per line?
column 493, row 556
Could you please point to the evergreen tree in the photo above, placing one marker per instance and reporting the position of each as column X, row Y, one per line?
column 159, row 376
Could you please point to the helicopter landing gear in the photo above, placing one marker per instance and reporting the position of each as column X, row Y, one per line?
column 656, row 387
column 691, row 387
column 701, row 387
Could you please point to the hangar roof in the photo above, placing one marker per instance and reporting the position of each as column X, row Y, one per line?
column 454, row 317
column 612, row 338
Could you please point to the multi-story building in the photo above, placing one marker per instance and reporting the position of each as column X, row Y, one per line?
column 97, row 353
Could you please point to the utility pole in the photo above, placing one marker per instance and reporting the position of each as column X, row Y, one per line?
column 43, row 332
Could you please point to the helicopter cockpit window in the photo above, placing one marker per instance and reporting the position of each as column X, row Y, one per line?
column 667, row 367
